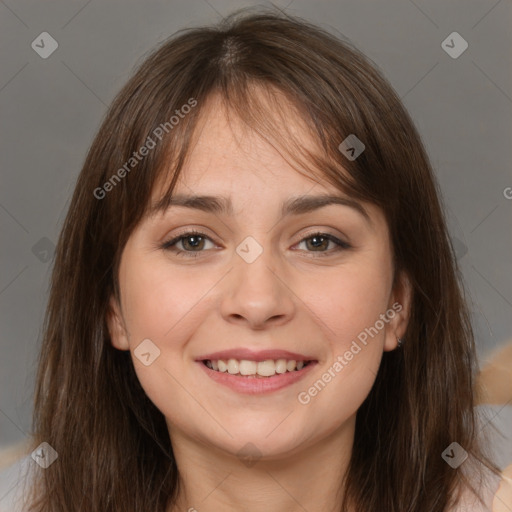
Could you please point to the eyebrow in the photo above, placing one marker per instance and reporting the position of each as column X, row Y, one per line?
column 223, row 205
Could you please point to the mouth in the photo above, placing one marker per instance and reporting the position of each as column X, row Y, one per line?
column 251, row 377
column 256, row 369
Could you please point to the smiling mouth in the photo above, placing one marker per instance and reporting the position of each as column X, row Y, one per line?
column 256, row 369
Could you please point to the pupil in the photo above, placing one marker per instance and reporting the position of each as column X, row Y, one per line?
column 317, row 241
column 195, row 240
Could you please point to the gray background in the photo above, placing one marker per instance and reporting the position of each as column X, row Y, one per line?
column 51, row 108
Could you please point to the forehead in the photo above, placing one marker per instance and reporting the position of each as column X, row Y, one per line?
column 231, row 169
column 228, row 154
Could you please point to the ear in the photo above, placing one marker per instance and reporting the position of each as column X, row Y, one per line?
column 399, row 309
column 116, row 326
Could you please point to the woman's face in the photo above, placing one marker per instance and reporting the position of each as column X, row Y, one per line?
column 256, row 280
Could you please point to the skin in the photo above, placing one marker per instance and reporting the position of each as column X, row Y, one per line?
column 291, row 297
column 503, row 498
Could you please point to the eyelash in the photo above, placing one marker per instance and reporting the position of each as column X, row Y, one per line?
column 168, row 246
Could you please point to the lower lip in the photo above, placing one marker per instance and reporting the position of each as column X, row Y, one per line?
column 254, row 385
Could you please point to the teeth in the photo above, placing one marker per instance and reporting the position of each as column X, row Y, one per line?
column 281, row 366
column 248, row 367
column 233, row 366
column 266, row 368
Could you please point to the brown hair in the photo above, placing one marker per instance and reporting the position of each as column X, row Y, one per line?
column 89, row 405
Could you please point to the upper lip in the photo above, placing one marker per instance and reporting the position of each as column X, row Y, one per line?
column 250, row 355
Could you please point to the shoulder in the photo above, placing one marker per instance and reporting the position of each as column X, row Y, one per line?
column 503, row 498
column 494, row 490
column 496, row 422
column 14, row 463
column 486, row 485
column 499, row 417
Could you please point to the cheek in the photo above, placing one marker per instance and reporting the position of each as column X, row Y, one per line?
column 157, row 300
column 161, row 306
column 350, row 316
column 349, row 310
column 351, row 299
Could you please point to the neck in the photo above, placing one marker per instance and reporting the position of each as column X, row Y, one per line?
column 306, row 478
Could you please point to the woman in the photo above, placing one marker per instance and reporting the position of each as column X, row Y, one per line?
column 198, row 353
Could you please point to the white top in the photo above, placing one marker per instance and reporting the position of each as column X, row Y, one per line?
column 11, row 477
column 11, row 484
column 470, row 503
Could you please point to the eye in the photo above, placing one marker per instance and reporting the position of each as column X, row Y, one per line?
column 193, row 242
column 318, row 241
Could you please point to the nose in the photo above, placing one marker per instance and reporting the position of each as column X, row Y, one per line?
column 257, row 294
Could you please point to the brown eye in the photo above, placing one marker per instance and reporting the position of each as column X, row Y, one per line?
column 319, row 242
column 191, row 242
